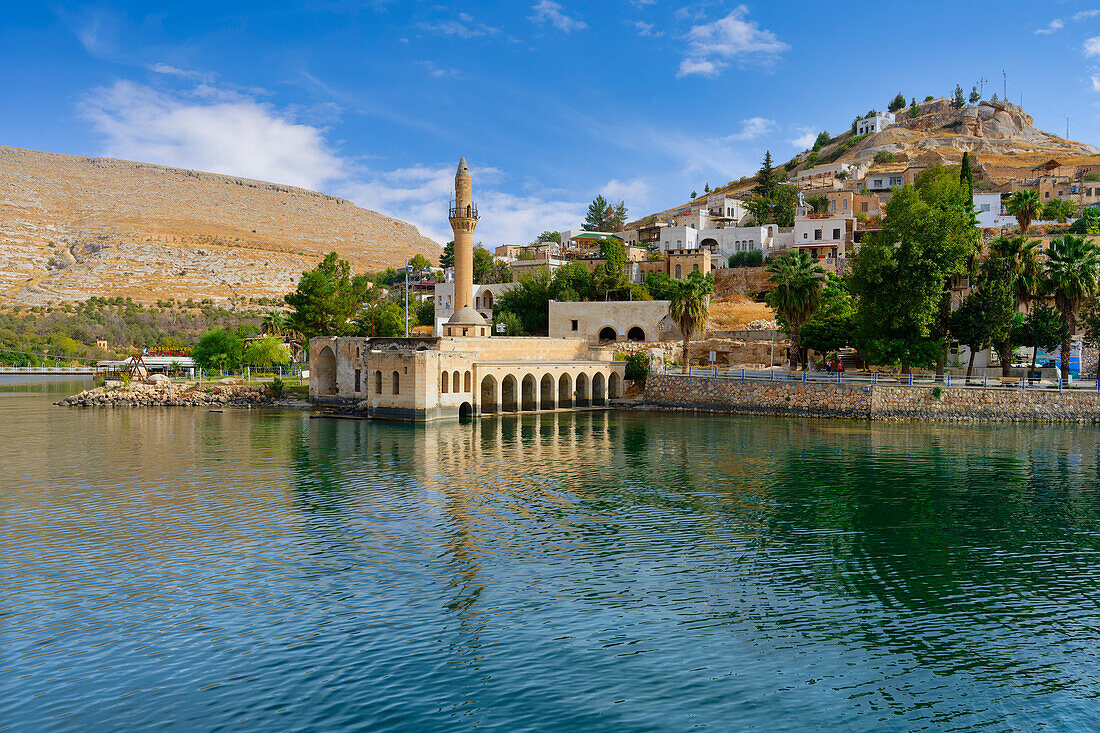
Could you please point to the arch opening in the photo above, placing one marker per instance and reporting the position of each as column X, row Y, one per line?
column 565, row 391
column 599, row 392
column 614, row 386
column 583, row 398
column 546, row 396
column 465, row 411
column 530, row 394
column 607, row 333
column 378, row 382
column 396, row 378
column 636, row 333
column 489, row 404
column 456, row 382
column 326, row 372
column 467, row 383
column 445, row 382
column 509, row 394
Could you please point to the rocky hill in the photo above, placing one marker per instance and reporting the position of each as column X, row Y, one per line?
column 73, row 227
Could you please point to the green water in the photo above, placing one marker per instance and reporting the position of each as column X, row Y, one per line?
column 247, row 570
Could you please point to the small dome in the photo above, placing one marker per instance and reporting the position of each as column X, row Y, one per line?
column 466, row 316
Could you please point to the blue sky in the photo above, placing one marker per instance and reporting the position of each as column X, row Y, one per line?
column 551, row 101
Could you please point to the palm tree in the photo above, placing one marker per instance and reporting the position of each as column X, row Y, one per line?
column 798, row 279
column 273, row 323
column 1021, row 258
column 1072, row 266
column 690, row 305
column 1025, row 206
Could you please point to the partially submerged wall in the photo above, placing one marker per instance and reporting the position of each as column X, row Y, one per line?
column 871, row 402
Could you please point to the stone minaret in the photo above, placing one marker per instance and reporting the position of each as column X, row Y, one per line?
column 463, row 215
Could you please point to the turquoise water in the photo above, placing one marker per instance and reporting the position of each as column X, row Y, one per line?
column 247, row 570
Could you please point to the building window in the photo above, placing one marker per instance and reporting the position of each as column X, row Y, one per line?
column 984, row 208
column 863, row 207
column 845, row 207
column 695, row 268
column 1046, row 194
column 396, row 383
column 1088, row 191
column 836, row 234
column 677, row 271
column 878, row 183
column 817, row 235
column 895, row 181
column 468, row 382
column 573, row 325
column 358, row 376
column 805, row 235
column 378, row 382
column 444, row 383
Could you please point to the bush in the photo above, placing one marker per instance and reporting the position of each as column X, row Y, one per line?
column 750, row 258
column 637, row 365
column 884, row 156
column 425, row 312
column 512, row 324
column 277, row 388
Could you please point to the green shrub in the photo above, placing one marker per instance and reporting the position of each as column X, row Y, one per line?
column 884, row 156
column 637, row 365
column 750, row 258
column 277, row 388
column 937, row 393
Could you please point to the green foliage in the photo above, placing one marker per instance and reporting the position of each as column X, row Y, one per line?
column 571, row 282
column 694, row 194
column 640, row 292
column 1071, row 269
column 419, row 262
column 766, row 178
column 974, row 96
column 957, row 100
column 937, row 393
column 821, row 140
column 529, row 301
column 447, row 259
column 929, row 98
column 1092, row 176
column 689, row 305
column 637, row 365
column 885, row 156
column 277, row 389
column 605, row 217
column 1043, row 328
column 488, row 269
column 799, row 281
column 218, row 349
column 512, row 324
column 1059, row 210
column 818, row 204
column 832, row 326
column 381, row 318
column 747, row 258
column 778, row 207
column 659, row 285
column 266, row 352
column 966, row 175
column 425, row 313
column 327, row 299
column 985, row 316
column 1024, row 205
column 547, row 236
column 896, row 103
column 914, row 110
column 1087, row 223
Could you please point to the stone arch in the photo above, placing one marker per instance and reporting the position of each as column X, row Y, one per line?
column 467, row 383
column 599, row 390
column 326, row 372
column 708, row 242
column 509, row 394
column 445, row 382
column 530, row 391
column 465, row 411
column 487, row 300
column 456, row 382
column 395, row 378
column 489, row 395
column 546, row 392
column 607, row 333
column 583, row 394
column 378, row 382
column 614, row 386
column 565, row 391
column 636, row 333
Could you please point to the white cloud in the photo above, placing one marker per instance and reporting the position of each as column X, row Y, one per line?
column 1092, row 47
column 753, row 128
column 806, row 137
column 634, row 192
column 228, row 132
column 646, row 29
column 440, row 72
column 713, row 46
column 1055, row 25
column 464, row 27
column 1085, row 15
column 548, row 11
column 1095, row 83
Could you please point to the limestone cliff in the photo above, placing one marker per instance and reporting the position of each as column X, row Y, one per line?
column 73, row 227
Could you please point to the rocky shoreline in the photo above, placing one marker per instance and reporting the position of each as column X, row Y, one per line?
column 166, row 394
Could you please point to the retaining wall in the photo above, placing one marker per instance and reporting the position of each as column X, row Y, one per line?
column 870, row 402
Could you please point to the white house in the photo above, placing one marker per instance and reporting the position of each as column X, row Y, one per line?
column 721, row 242
column 879, row 122
column 825, row 237
column 484, row 299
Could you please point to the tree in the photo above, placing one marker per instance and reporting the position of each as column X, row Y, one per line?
column 381, row 319
column 957, row 100
column 659, row 285
column 897, row 103
column 596, row 220
column 1090, row 320
column 914, row 110
column 818, row 204
column 1072, row 266
column 830, row 327
column 327, row 299
column 617, row 217
column 1024, row 205
column 488, row 269
column 425, row 312
column 706, row 187
column 273, row 323
column 547, row 236
column 1087, row 223
column 984, row 318
column 571, row 282
column 995, row 97
column 1043, row 329
column 821, row 140
column 419, row 262
column 217, row 348
column 966, row 175
column 1058, row 210
column 798, row 280
column 766, row 178
column 974, row 96
column 529, row 301
column 266, row 352
column 694, row 195
column 447, row 259
column 1022, row 268
column 689, row 305
column 885, row 156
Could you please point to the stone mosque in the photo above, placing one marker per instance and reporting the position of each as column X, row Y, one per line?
column 465, row 371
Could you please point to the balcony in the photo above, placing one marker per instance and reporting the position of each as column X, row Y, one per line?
column 467, row 212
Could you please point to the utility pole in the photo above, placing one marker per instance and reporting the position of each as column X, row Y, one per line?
column 406, row 298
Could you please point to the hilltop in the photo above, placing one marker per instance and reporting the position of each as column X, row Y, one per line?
column 74, row 227
column 1000, row 137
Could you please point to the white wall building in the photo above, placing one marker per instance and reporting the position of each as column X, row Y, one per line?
column 484, row 299
column 827, row 237
column 878, row 123
column 721, row 242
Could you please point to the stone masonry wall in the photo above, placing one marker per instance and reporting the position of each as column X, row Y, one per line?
column 873, row 402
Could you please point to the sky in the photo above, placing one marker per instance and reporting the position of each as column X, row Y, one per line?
column 551, row 101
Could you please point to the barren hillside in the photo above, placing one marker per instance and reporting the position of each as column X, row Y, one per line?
column 74, row 227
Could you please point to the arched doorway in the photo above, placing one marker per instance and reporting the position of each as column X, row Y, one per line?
column 614, row 386
column 583, row 399
column 445, row 382
column 509, row 394
column 607, row 333
column 635, row 334
column 326, row 372
column 530, row 394
column 599, row 395
column 565, row 392
column 546, row 392
column 489, row 395
column 465, row 411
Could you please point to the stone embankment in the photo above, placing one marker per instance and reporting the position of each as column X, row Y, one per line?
column 871, row 402
column 175, row 395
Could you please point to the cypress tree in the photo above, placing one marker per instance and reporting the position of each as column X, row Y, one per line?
column 766, row 178
column 966, row 175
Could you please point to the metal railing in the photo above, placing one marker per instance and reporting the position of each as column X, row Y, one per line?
column 875, row 378
column 47, row 370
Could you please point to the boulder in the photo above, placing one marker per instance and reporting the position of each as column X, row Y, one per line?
column 229, row 380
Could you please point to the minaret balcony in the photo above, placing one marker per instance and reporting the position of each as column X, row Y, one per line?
column 468, row 211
